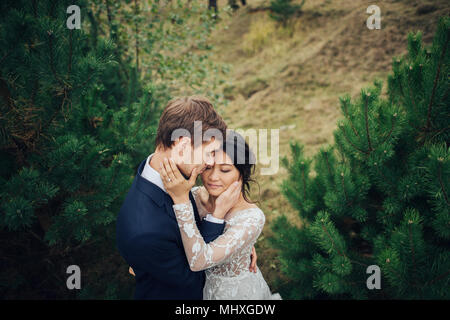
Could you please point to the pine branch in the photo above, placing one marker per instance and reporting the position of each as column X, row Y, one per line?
column 435, row 84
column 109, row 15
column 118, row 47
column 351, row 143
column 329, row 168
column 402, row 92
column 52, row 64
column 411, row 96
column 137, row 36
column 412, row 125
column 83, row 244
column 5, row 56
column 357, row 262
column 85, row 82
column 367, row 125
column 48, row 123
column 438, row 132
column 343, row 159
column 34, row 91
column 35, row 5
column 332, row 241
column 445, row 96
column 350, row 120
column 69, row 67
column 437, row 278
column 94, row 26
column 412, row 252
column 394, row 271
column 413, row 101
column 343, row 189
column 304, row 184
column 342, row 254
column 392, row 129
column 441, row 184
column 385, row 179
column 5, row 93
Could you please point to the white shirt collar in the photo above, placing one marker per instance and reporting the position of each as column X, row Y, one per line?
column 152, row 175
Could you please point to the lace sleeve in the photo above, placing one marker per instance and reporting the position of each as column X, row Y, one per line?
column 244, row 230
column 201, row 209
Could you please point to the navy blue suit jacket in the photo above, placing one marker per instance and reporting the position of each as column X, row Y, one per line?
column 149, row 240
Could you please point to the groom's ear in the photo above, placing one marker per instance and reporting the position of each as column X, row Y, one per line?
column 182, row 144
column 185, row 143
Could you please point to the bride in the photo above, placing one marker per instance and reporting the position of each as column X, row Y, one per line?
column 225, row 260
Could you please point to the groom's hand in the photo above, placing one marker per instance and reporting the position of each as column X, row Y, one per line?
column 253, row 262
column 175, row 184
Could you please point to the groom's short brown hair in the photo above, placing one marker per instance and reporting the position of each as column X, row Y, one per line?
column 180, row 113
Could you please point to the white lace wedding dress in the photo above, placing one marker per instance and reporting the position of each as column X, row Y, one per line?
column 227, row 258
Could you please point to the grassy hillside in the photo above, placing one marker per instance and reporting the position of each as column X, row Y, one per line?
column 291, row 78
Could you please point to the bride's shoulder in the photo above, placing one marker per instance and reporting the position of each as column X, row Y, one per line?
column 257, row 211
column 246, row 207
column 251, row 211
column 253, row 206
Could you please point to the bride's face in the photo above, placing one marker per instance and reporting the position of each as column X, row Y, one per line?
column 218, row 178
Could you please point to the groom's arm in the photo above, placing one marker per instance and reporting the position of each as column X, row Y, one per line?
column 161, row 258
column 210, row 230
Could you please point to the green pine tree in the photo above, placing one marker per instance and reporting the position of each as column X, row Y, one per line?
column 64, row 163
column 77, row 115
column 283, row 10
column 380, row 195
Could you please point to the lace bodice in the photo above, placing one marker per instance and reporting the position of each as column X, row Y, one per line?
column 229, row 254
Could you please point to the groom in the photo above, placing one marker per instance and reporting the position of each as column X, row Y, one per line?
column 148, row 237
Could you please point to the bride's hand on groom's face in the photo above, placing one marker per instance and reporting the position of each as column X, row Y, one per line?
column 175, row 184
column 227, row 199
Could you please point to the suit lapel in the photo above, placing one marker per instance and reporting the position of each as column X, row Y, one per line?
column 160, row 197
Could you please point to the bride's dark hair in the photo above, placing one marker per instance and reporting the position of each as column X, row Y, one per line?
column 243, row 159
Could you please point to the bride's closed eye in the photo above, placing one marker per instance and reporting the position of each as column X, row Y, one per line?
column 224, row 171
